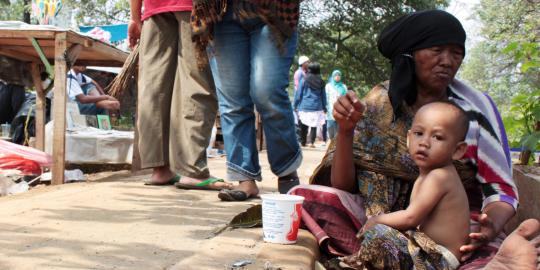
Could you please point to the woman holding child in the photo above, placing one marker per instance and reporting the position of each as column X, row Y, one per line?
column 370, row 158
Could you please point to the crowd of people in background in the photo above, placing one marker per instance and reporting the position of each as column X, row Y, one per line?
column 313, row 102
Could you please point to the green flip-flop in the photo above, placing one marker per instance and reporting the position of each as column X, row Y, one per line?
column 170, row 182
column 203, row 185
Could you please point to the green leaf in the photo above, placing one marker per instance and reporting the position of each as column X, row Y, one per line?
column 528, row 65
column 250, row 218
column 536, row 113
column 530, row 141
column 520, row 98
column 510, row 47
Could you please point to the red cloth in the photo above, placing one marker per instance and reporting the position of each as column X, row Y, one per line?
column 153, row 7
column 14, row 162
column 334, row 217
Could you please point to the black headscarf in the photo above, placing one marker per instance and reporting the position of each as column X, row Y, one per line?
column 407, row 34
column 313, row 77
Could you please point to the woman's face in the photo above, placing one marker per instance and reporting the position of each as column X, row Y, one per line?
column 337, row 78
column 436, row 66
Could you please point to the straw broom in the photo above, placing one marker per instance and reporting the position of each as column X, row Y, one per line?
column 127, row 75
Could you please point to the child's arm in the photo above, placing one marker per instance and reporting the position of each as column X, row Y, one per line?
column 428, row 194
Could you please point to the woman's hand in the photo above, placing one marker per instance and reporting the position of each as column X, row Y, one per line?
column 348, row 110
column 480, row 238
column 495, row 215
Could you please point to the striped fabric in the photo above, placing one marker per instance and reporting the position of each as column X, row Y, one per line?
column 487, row 145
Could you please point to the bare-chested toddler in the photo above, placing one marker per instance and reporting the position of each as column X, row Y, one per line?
column 436, row 223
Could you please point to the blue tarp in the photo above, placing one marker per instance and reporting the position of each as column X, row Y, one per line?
column 118, row 31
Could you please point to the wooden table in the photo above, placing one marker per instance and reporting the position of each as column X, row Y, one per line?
column 62, row 48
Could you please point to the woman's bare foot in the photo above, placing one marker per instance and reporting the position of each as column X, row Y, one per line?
column 520, row 250
column 249, row 187
column 218, row 185
column 161, row 174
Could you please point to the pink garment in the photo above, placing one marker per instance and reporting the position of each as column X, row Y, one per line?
column 10, row 149
column 153, row 7
column 333, row 216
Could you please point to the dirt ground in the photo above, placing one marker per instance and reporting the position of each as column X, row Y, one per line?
column 115, row 222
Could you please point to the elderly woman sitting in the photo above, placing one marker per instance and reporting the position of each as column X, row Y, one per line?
column 368, row 167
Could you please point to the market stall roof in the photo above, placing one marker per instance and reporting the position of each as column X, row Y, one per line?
column 45, row 46
column 16, row 42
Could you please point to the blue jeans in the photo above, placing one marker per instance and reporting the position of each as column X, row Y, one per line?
column 250, row 72
column 89, row 108
column 332, row 128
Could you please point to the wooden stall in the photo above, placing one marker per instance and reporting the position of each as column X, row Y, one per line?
column 55, row 51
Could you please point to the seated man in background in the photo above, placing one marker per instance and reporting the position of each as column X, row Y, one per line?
column 88, row 94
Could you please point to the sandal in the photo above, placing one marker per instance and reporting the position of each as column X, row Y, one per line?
column 203, row 185
column 233, row 195
column 170, row 182
column 288, row 182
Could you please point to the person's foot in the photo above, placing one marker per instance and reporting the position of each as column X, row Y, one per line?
column 215, row 185
column 285, row 183
column 249, row 187
column 520, row 250
column 161, row 175
column 312, row 145
column 245, row 190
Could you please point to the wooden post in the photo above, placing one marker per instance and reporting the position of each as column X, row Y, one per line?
column 40, row 107
column 59, row 109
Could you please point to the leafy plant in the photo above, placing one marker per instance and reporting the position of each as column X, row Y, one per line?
column 528, row 108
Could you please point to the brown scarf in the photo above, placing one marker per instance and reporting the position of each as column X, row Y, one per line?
column 280, row 15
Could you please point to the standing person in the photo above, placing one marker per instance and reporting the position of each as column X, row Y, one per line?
column 177, row 100
column 310, row 102
column 300, row 73
column 254, row 44
column 335, row 88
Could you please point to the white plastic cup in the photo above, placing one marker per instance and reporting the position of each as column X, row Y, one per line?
column 281, row 214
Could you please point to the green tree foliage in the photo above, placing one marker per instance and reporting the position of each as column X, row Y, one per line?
column 100, row 12
column 86, row 12
column 506, row 63
column 12, row 10
column 342, row 34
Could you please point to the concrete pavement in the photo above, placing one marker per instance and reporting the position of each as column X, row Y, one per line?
column 116, row 222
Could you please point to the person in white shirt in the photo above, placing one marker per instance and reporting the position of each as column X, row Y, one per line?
column 88, row 94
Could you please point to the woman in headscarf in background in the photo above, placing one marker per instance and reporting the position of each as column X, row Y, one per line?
column 335, row 88
column 368, row 171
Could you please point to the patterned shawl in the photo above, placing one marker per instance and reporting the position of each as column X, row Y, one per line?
column 280, row 15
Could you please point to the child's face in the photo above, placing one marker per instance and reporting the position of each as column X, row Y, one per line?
column 432, row 139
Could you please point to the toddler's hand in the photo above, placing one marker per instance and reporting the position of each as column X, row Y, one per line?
column 372, row 221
